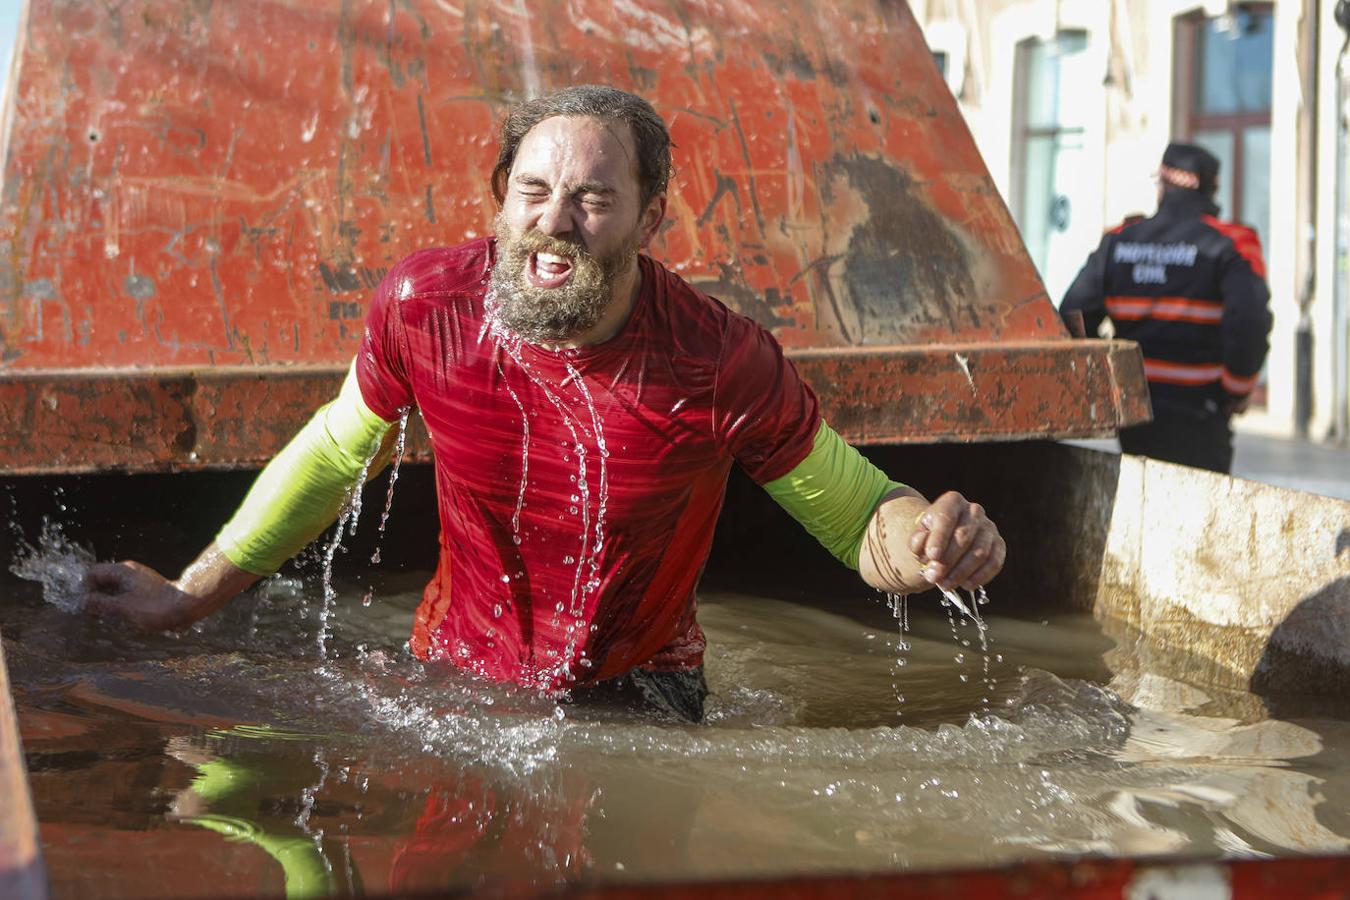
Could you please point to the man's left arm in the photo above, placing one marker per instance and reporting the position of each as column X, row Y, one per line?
column 1246, row 320
column 896, row 539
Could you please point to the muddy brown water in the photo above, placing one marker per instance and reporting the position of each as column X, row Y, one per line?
column 233, row 761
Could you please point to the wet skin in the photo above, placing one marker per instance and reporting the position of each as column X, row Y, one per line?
column 575, row 179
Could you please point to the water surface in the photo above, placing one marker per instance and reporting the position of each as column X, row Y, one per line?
column 233, row 760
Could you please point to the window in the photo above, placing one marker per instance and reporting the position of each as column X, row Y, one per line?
column 1053, row 102
column 1223, row 82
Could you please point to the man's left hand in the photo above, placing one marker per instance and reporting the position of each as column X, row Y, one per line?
column 961, row 546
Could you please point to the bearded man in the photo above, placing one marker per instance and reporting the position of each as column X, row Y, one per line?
column 585, row 406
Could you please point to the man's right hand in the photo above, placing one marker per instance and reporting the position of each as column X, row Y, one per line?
column 138, row 594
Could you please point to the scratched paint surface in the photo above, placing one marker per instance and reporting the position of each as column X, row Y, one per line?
column 206, row 183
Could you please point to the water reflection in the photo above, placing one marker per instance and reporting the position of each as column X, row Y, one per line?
column 259, row 766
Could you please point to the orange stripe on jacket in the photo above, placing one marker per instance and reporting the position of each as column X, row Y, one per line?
column 1181, row 373
column 1238, row 384
column 1170, row 309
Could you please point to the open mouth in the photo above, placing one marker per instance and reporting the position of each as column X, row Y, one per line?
column 548, row 270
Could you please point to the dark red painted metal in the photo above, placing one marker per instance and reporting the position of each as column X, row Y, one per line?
column 1092, row 879
column 206, row 185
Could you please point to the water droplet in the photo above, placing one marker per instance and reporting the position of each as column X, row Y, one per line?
column 497, row 610
column 505, row 579
column 365, row 601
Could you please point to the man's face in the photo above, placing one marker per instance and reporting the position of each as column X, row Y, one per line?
column 569, row 229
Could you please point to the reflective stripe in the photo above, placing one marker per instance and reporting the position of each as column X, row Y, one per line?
column 1179, row 177
column 1237, row 384
column 1169, row 309
column 1129, row 307
column 1181, row 373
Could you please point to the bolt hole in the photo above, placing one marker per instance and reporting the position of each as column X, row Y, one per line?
column 93, row 136
column 874, row 116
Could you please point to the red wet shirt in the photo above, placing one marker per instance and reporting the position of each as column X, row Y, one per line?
column 578, row 489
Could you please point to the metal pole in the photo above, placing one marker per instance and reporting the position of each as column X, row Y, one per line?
column 1303, row 335
column 1340, row 375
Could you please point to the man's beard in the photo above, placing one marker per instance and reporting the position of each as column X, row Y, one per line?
column 549, row 315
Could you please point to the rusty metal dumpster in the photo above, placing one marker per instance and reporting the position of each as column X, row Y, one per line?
column 198, row 198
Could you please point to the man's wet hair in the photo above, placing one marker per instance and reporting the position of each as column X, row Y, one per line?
column 594, row 101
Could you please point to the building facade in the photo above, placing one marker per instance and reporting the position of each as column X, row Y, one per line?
column 1073, row 101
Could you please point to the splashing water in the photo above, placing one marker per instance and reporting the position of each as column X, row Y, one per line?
column 978, row 597
column 400, row 444
column 899, row 606
column 351, row 512
column 587, row 559
column 58, row 564
column 970, row 612
column 593, row 582
column 951, row 604
column 524, row 456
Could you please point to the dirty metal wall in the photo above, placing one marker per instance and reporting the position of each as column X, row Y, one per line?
column 195, row 185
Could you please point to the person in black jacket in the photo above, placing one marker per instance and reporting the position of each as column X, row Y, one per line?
column 1191, row 290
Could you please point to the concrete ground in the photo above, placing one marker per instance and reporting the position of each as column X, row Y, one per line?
column 1316, row 468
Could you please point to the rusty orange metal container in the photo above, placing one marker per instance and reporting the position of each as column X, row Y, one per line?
column 198, row 199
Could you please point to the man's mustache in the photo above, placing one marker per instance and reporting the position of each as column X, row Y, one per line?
column 534, row 241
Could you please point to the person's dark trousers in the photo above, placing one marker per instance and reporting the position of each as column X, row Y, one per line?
column 677, row 695
column 1204, row 441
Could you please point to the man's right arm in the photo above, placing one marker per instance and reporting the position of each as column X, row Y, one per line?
column 295, row 498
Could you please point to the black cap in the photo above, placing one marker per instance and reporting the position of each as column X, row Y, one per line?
column 1191, row 167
